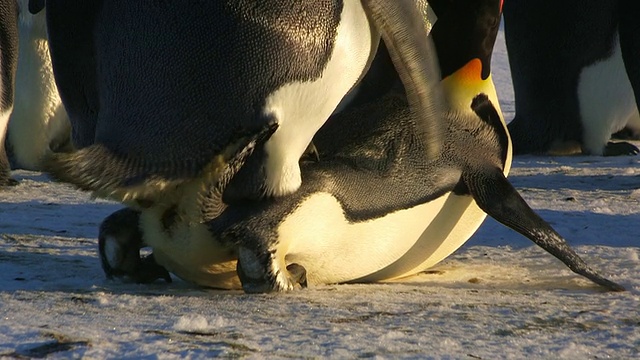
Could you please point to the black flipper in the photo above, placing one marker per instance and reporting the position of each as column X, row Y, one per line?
column 211, row 203
column 119, row 244
column 497, row 197
column 403, row 29
column 97, row 169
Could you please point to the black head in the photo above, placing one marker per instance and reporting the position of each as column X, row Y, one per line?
column 465, row 30
column 35, row 6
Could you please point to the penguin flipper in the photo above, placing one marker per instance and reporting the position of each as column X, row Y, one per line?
column 119, row 244
column 96, row 168
column 495, row 195
column 403, row 29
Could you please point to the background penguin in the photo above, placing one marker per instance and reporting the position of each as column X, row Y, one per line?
column 160, row 108
column 374, row 207
column 39, row 122
column 574, row 66
column 8, row 61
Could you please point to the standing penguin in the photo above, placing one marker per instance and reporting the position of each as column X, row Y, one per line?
column 39, row 123
column 575, row 66
column 375, row 207
column 155, row 91
column 8, row 61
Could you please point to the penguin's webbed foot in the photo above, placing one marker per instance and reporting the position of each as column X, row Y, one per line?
column 495, row 195
column 620, row 148
column 262, row 273
column 119, row 243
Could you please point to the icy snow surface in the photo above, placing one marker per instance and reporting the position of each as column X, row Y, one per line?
column 497, row 297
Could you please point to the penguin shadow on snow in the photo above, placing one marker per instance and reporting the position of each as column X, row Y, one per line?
column 582, row 229
column 563, row 180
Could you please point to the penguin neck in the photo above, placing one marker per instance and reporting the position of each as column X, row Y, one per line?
column 464, row 84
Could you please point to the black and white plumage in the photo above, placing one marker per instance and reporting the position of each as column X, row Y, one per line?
column 8, row 63
column 375, row 206
column 575, row 67
column 157, row 89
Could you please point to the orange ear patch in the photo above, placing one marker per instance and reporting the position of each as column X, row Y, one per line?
column 471, row 71
column 501, row 2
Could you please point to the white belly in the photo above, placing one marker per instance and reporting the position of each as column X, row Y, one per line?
column 39, row 118
column 332, row 250
column 606, row 101
column 302, row 108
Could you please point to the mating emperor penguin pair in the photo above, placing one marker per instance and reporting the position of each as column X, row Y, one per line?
column 375, row 206
column 163, row 96
column 575, row 66
column 8, row 64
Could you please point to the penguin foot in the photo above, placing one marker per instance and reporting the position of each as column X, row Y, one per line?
column 6, row 182
column 264, row 274
column 119, row 243
column 620, row 148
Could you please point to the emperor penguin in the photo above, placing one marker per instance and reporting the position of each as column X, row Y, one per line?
column 39, row 124
column 156, row 91
column 375, row 206
column 8, row 63
column 575, row 69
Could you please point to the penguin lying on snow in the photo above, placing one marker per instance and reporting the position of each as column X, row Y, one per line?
column 157, row 90
column 375, row 206
column 39, row 122
column 8, row 61
column 575, row 70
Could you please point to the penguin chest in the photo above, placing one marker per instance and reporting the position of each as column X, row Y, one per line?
column 301, row 108
column 606, row 100
column 333, row 249
column 39, row 119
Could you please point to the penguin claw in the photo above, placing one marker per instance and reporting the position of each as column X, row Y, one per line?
column 620, row 148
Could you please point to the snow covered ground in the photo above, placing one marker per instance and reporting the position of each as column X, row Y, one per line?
column 497, row 297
